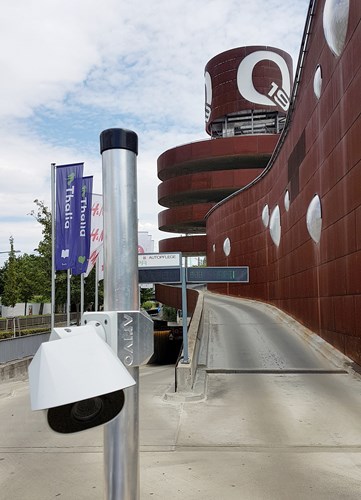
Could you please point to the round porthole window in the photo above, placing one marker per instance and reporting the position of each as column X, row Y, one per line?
column 227, row 247
column 287, row 201
column 314, row 219
column 275, row 226
column 265, row 216
column 335, row 22
column 317, row 82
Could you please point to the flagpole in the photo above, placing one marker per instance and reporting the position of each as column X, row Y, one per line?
column 53, row 208
column 96, row 306
column 68, row 297
column 66, row 225
column 81, row 294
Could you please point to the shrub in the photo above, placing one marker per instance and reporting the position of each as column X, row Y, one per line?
column 31, row 331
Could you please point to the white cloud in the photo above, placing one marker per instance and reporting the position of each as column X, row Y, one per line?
column 71, row 69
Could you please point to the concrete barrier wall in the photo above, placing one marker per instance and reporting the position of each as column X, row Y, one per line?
column 15, row 370
column 16, row 354
column 172, row 296
column 186, row 372
column 21, row 310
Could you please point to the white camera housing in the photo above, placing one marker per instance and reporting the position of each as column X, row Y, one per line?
column 78, row 378
column 129, row 333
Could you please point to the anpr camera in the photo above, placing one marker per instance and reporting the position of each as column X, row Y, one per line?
column 78, row 379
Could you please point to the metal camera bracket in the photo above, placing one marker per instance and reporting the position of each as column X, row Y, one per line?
column 129, row 334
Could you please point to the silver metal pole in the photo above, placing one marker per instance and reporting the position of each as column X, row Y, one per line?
column 68, row 298
column 184, row 314
column 53, row 208
column 119, row 148
column 96, row 305
column 81, row 294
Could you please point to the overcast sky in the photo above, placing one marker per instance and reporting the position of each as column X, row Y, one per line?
column 70, row 69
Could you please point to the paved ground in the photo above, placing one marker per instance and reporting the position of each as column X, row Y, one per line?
column 279, row 431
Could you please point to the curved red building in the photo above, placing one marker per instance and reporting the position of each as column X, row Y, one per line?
column 298, row 226
column 247, row 98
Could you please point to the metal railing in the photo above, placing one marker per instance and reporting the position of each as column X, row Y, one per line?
column 20, row 346
column 18, row 324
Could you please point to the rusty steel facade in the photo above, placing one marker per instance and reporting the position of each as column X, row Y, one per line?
column 246, row 102
column 298, row 226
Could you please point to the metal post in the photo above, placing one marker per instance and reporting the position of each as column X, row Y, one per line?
column 68, row 297
column 53, row 208
column 119, row 148
column 81, row 294
column 96, row 305
column 184, row 314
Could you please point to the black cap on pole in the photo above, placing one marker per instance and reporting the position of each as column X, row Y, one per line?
column 118, row 138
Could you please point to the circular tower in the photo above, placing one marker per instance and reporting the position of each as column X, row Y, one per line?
column 247, row 93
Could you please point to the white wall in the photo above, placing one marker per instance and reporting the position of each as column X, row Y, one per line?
column 19, row 309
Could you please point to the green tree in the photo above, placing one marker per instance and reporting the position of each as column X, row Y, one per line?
column 146, row 294
column 31, row 279
column 43, row 215
column 10, row 294
column 89, row 290
column 2, row 280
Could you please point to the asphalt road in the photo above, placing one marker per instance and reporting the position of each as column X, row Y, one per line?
column 246, row 336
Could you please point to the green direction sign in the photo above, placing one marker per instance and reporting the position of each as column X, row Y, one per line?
column 218, row 274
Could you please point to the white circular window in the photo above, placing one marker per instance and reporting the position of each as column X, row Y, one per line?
column 227, row 247
column 335, row 22
column 286, row 201
column 214, row 247
column 265, row 216
column 317, row 82
column 314, row 219
column 275, row 226
column 208, row 103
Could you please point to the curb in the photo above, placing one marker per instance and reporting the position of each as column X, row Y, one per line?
column 15, row 370
column 198, row 393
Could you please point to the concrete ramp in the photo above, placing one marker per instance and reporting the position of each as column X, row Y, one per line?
column 247, row 336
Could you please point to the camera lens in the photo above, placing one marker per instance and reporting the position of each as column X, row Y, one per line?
column 86, row 410
column 85, row 414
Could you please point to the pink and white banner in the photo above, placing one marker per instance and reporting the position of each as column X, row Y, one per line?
column 145, row 241
column 96, row 234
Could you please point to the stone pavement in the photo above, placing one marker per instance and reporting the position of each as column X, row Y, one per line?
column 280, row 440
column 254, row 436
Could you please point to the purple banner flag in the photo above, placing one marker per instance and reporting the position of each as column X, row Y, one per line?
column 84, row 228
column 67, row 219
